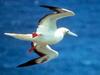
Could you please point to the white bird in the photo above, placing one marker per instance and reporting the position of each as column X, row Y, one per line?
column 46, row 34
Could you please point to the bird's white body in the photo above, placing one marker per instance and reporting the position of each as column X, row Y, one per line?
column 50, row 38
column 47, row 34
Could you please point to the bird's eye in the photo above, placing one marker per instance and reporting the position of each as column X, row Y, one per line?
column 67, row 31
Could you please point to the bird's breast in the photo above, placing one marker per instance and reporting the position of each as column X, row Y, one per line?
column 50, row 39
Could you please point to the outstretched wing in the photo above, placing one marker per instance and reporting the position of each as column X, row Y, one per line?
column 48, row 22
column 45, row 53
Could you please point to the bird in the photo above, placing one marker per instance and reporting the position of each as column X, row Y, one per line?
column 46, row 34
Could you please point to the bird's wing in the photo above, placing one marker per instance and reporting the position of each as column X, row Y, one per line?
column 29, row 63
column 48, row 22
column 47, row 54
column 47, row 50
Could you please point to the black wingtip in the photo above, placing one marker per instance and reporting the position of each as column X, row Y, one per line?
column 29, row 63
column 48, row 6
column 53, row 8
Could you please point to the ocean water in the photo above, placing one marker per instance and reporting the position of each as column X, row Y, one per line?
column 77, row 56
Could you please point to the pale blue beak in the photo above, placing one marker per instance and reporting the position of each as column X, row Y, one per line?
column 73, row 34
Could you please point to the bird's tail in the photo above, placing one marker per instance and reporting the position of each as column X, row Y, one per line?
column 27, row 37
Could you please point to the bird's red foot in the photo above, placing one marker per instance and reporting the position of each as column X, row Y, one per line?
column 35, row 34
column 32, row 48
column 32, row 44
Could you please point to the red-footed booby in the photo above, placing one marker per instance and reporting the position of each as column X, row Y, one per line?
column 46, row 34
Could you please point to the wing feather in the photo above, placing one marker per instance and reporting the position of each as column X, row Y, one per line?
column 48, row 23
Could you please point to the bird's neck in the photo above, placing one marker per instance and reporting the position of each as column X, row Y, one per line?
column 59, row 33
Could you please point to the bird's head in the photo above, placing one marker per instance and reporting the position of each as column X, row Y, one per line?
column 66, row 31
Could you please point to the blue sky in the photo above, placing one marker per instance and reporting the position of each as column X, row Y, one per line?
column 78, row 56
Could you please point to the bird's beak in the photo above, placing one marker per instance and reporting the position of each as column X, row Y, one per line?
column 73, row 34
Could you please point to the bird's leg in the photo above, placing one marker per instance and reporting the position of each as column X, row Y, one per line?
column 43, row 57
column 32, row 44
column 32, row 47
column 35, row 35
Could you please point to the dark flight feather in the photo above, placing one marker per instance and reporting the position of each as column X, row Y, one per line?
column 56, row 9
column 29, row 63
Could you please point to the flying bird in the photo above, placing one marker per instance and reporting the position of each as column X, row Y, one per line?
column 46, row 34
